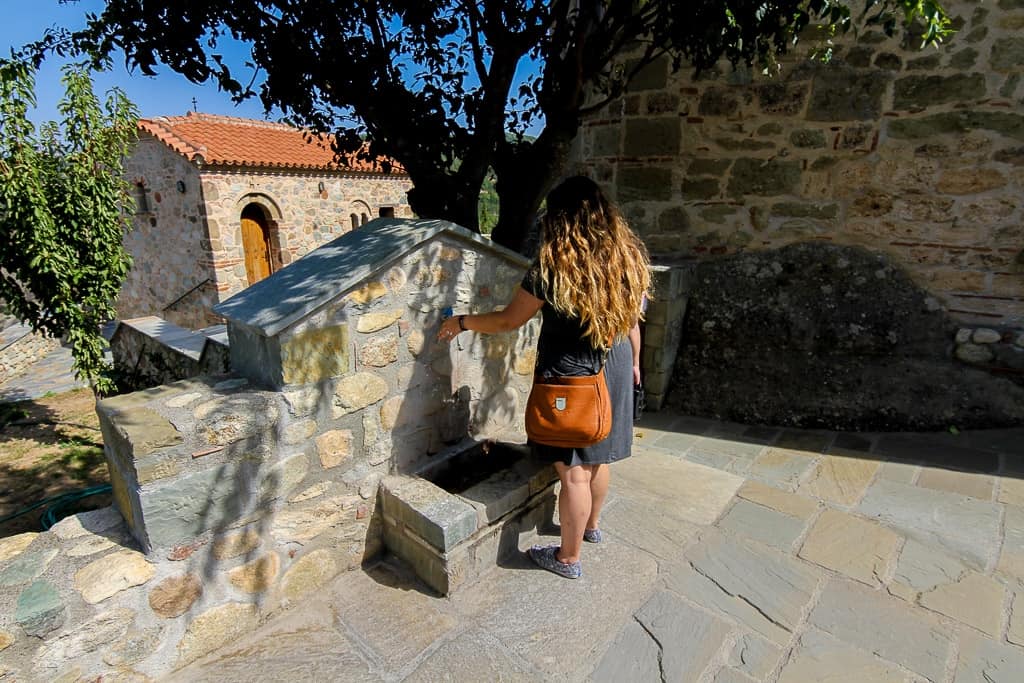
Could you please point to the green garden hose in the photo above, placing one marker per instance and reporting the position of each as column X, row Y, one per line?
column 56, row 504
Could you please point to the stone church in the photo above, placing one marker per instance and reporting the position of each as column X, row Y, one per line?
column 223, row 202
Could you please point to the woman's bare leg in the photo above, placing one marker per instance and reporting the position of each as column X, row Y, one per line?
column 598, row 491
column 573, row 508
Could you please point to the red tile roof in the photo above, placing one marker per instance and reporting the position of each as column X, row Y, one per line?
column 229, row 141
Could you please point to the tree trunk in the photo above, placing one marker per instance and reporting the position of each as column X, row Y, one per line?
column 525, row 172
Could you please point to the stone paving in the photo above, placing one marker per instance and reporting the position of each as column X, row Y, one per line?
column 733, row 554
column 50, row 375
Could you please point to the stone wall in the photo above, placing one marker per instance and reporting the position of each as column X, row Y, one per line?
column 662, row 329
column 917, row 154
column 148, row 352
column 187, row 246
column 234, row 500
column 827, row 335
column 168, row 240
column 20, row 348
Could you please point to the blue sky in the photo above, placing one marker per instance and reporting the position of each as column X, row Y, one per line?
column 165, row 94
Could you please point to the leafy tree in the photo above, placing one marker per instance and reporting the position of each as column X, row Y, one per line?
column 437, row 86
column 63, row 210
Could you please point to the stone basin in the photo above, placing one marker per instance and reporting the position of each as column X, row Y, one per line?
column 466, row 510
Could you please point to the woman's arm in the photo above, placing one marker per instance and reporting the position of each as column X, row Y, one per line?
column 634, row 341
column 522, row 307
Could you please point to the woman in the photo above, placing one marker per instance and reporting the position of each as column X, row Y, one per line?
column 590, row 280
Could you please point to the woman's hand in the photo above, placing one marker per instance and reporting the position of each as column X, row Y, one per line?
column 449, row 329
column 636, row 375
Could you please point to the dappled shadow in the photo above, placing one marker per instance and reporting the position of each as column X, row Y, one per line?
column 998, row 452
column 49, row 447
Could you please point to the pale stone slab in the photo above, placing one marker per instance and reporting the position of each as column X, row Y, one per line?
column 728, row 675
column 819, row 657
column 696, row 587
column 754, row 656
column 781, row 466
column 727, row 448
column 839, row 479
column 1016, row 631
column 174, row 595
column 716, row 460
column 298, row 525
column 875, row 622
column 762, row 524
column 90, row 546
column 967, row 527
column 677, row 443
column 900, row 472
column 777, row 585
column 308, row 574
column 1011, row 557
column 646, row 527
column 852, row 546
column 26, row 567
column 553, row 626
column 112, row 574
column 473, row 656
column 283, row 477
column 303, row 645
column 687, row 640
column 13, row 546
column 256, row 576
column 391, row 615
column 215, row 628
column 100, row 522
column 636, row 658
column 84, row 639
column 785, row 502
column 235, row 543
column 1011, row 491
column 975, row 600
column 686, row 490
column 971, row 484
column 982, row 659
column 923, row 567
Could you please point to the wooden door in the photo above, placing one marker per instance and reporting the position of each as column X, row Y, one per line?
column 256, row 243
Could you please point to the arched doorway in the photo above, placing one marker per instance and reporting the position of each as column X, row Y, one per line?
column 259, row 262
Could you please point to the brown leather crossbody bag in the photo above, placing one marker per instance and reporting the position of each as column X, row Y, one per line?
column 569, row 412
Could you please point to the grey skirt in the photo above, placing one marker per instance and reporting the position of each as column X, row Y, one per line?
column 618, row 372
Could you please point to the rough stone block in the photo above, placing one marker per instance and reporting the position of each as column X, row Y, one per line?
column 927, row 91
column 315, row 355
column 844, row 94
column 438, row 517
column 192, row 504
column 356, row 392
column 763, row 177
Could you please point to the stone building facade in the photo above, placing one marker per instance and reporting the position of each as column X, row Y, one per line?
column 222, row 202
column 918, row 154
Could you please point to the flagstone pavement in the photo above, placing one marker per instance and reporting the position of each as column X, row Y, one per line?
column 732, row 554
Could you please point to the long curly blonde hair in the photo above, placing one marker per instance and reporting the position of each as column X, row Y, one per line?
column 595, row 266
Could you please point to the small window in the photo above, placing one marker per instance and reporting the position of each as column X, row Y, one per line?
column 387, row 212
column 355, row 221
column 141, row 198
column 366, row 219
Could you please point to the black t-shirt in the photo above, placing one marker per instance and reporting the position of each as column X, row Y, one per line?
column 562, row 348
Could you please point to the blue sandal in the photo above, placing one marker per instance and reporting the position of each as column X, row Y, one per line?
column 546, row 557
column 592, row 535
